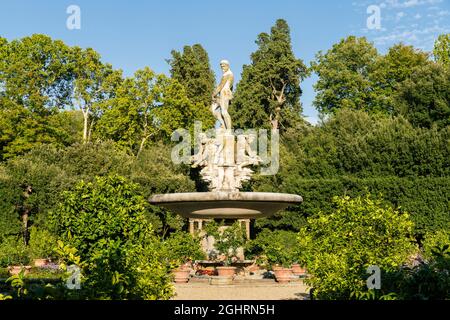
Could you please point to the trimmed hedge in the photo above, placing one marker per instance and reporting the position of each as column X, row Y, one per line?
column 427, row 199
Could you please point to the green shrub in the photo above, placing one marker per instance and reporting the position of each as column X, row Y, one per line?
column 426, row 199
column 105, row 224
column 342, row 244
column 42, row 243
column 183, row 247
column 13, row 252
column 435, row 241
column 277, row 247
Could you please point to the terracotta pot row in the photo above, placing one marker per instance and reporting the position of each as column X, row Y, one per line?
column 182, row 273
column 284, row 275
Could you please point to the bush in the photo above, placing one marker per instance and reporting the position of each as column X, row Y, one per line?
column 275, row 247
column 13, row 252
column 427, row 280
column 341, row 245
column 435, row 241
column 42, row 243
column 183, row 247
column 426, row 199
column 104, row 222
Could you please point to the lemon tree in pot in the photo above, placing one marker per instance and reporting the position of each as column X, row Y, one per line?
column 182, row 248
column 278, row 249
column 227, row 241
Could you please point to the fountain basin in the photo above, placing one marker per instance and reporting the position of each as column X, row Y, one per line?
column 225, row 205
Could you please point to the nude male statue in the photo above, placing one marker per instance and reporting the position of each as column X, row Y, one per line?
column 222, row 96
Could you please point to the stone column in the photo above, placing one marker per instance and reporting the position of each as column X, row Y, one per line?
column 246, row 222
column 191, row 226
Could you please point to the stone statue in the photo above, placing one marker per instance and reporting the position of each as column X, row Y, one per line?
column 222, row 95
column 223, row 158
column 245, row 155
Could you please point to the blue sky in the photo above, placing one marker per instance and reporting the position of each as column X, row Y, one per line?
column 133, row 34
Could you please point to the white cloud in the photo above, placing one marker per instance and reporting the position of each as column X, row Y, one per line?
column 415, row 36
column 417, row 16
column 399, row 15
column 409, row 3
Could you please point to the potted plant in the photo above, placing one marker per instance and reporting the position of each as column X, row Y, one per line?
column 278, row 249
column 182, row 248
column 15, row 255
column 227, row 241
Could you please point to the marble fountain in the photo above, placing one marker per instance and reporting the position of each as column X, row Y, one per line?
column 225, row 158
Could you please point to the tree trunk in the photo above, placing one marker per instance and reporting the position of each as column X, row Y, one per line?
column 144, row 139
column 86, row 125
column 25, row 216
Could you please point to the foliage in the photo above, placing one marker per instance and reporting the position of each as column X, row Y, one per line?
column 404, row 81
column 435, row 241
column 192, row 69
column 441, row 49
column 105, row 223
column 42, row 243
column 424, row 98
column 277, row 247
column 343, row 73
column 13, row 251
column 48, row 171
column 341, row 245
column 426, row 280
column 183, row 247
column 93, row 84
column 268, row 94
column 227, row 239
column 35, row 84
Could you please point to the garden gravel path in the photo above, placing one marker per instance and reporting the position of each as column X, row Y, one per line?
column 270, row 291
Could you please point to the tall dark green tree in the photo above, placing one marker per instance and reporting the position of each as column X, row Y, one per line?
column 192, row 69
column 269, row 93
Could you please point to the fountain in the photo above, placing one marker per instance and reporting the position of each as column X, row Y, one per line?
column 224, row 160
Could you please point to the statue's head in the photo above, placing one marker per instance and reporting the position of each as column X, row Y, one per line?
column 224, row 65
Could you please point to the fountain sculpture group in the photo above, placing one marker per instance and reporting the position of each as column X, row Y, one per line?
column 225, row 160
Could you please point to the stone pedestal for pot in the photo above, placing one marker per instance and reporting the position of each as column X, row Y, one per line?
column 221, row 281
column 282, row 275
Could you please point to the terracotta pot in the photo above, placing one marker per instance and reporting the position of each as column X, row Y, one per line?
column 274, row 268
column 181, row 275
column 283, row 275
column 298, row 270
column 40, row 262
column 226, row 271
column 15, row 270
